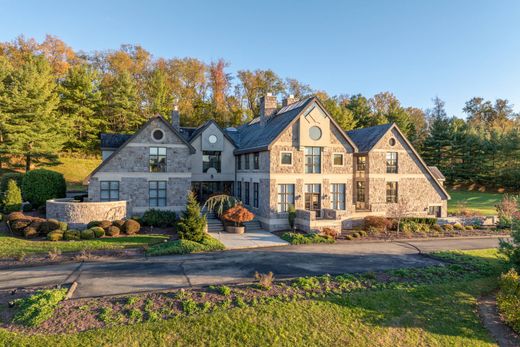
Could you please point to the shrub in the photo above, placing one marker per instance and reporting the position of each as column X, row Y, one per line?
column 238, row 215
column 468, row 227
column 87, row 234
column 98, row 232
column 105, row 224
column 131, row 227
column 349, row 237
column 192, row 225
column 291, row 215
column 362, row 233
column 355, row 235
column 49, row 225
column 63, row 226
column 15, row 176
column 508, row 299
column 40, row 185
column 72, row 235
column 330, row 232
column 408, row 227
column 30, row 232
column 15, row 215
column 379, row 223
column 158, row 218
column 305, row 239
column 94, row 223
column 12, row 199
column 458, row 226
column 18, row 225
column 448, row 227
column 430, row 221
column 437, row 228
column 27, row 207
column 505, row 210
column 118, row 223
column 112, row 231
column 39, row 307
column 56, row 235
column 512, row 248
column 265, row 281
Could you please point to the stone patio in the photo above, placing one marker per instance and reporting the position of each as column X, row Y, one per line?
column 252, row 239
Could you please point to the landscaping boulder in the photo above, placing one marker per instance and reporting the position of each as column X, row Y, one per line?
column 131, row 227
column 72, row 235
column 113, row 231
column 18, row 225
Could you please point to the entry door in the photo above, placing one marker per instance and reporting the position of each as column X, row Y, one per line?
column 313, row 198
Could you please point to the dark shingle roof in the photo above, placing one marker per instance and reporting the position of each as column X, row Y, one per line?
column 113, row 141
column 366, row 138
column 254, row 136
column 437, row 173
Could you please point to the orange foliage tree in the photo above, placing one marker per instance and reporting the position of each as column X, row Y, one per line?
column 238, row 215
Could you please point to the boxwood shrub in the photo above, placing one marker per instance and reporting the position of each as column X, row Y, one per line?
column 40, row 185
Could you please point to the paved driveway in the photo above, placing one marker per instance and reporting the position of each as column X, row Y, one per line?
column 250, row 239
column 160, row 273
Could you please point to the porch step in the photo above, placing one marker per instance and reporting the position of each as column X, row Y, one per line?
column 214, row 224
column 254, row 225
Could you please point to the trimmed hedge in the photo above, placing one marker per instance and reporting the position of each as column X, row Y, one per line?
column 305, row 239
column 87, row 234
column 40, row 185
column 72, row 235
column 131, row 227
column 98, row 232
column 158, row 218
column 508, row 299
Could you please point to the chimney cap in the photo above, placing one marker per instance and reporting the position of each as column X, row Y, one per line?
column 269, row 94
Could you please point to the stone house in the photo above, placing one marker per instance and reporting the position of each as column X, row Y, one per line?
column 294, row 155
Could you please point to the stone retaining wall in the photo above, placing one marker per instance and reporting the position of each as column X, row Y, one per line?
column 78, row 214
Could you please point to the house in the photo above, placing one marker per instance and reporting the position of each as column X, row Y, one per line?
column 293, row 155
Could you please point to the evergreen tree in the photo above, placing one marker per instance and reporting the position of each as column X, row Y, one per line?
column 121, row 103
column 160, row 94
column 438, row 143
column 191, row 226
column 12, row 200
column 29, row 100
column 80, row 105
column 340, row 114
column 361, row 110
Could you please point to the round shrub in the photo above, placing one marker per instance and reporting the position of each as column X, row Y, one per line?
column 63, row 226
column 56, row 235
column 40, row 185
column 50, row 225
column 98, row 232
column 113, row 231
column 437, row 228
column 131, row 227
column 469, row 227
column 12, row 199
column 448, row 227
column 458, row 226
column 118, row 223
column 87, row 234
column 27, row 207
column 362, row 233
column 105, row 224
column 15, row 215
column 94, row 223
column 72, row 235
column 30, row 232
column 18, row 225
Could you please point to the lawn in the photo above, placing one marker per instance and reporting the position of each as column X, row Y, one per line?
column 420, row 315
column 480, row 202
column 75, row 170
column 13, row 246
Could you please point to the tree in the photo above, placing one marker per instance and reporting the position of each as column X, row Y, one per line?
column 387, row 109
column 191, row 226
column 239, row 215
column 219, row 82
column 297, row 89
column 340, row 114
column 80, row 104
column 255, row 84
column 437, row 144
column 12, row 200
column 28, row 101
column 159, row 92
column 400, row 210
column 360, row 108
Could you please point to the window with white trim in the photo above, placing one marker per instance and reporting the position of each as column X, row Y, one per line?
column 286, row 158
column 337, row 159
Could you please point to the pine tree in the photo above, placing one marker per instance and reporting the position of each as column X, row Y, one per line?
column 160, row 94
column 29, row 100
column 192, row 224
column 437, row 144
column 80, row 105
column 122, row 103
column 12, row 200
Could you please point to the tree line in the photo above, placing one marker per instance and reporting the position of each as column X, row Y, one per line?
column 54, row 100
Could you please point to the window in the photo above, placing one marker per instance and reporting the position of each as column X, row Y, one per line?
column 361, row 163
column 157, row 159
column 239, row 162
column 391, row 162
column 210, row 159
column 337, row 159
column 246, row 158
column 255, row 195
column 315, row 133
column 256, row 161
column 391, row 192
column 246, row 193
column 360, row 191
column 434, row 211
column 338, row 196
column 157, row 193
column 109, row 190
column 239, row 190
column 157, row 134
column 212, row 139
column 286, row 158
column 391, row 142
column 312, row 159
column 285, row 197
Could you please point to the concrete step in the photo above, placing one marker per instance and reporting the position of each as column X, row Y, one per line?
column 215, row 225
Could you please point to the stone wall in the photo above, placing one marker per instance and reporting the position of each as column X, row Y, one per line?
column 78, row 214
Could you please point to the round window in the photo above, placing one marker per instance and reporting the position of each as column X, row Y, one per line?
column 392, row 142
column 315, row 133
column 212, row 139
column 158, row 135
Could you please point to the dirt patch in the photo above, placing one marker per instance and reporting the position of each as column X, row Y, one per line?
column 488, row 310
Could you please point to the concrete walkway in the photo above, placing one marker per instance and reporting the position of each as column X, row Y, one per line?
column 161, row 273
column 250, row 239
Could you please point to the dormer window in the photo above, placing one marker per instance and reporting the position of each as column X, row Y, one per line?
column 157, row 159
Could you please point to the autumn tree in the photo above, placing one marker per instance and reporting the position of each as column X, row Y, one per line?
column 255, row 84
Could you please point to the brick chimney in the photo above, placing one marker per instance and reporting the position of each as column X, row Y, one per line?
column 268, row 105
column 176, row 118
column 289, row 100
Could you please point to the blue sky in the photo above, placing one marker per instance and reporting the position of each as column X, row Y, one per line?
column 415, row 49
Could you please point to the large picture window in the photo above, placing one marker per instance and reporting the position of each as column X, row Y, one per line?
column 246, row 193
column 157, row 193
column 391, row 162
column 360, row 191
column 285, row 197
column 338, row 196
column 157, row 159
column 211, row 159
column 109, row 190
column 312, row 159
column 255, row 195
column 391, row 192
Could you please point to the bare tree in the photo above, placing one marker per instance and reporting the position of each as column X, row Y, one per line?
column 399, row 210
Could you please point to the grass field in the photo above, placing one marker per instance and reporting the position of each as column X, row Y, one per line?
column 480, row 202
column 425, row 315
column 75, row 170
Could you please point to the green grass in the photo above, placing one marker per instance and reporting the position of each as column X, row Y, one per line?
column 480, row 202
column 305, row 239
column 13, row 246
column 75, row 170
column 424, row 315
column 37, row 308
column 185, row 246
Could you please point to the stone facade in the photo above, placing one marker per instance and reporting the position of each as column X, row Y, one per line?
column 79, row 214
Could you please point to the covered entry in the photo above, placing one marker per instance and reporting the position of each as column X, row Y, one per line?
column 203, row 190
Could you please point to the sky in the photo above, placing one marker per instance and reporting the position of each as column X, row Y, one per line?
column 417, row 50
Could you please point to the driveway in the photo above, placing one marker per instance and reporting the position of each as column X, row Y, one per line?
column 251, row 239
column 160, row 273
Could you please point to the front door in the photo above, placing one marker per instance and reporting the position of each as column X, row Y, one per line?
column 313, row 198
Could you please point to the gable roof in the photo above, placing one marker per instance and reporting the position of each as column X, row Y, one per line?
column 254, row 136
column 366, row 138
column 437, row 173
column 196, row 132
column 129, row 139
